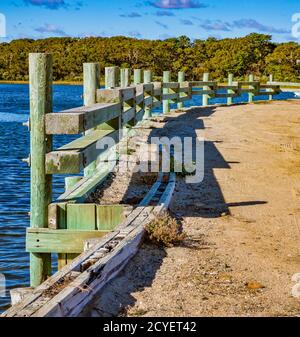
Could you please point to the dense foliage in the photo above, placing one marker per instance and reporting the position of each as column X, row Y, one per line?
column 254, row 53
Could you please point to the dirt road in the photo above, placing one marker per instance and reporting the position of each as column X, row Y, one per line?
column 242, row 223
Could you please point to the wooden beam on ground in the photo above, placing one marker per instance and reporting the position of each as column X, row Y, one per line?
column 91, row 271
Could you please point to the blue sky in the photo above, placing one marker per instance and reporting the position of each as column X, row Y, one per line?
column 153, row 19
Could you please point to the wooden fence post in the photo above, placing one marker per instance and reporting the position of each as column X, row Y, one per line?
column 181, row 79
column 166, row 102
column 112, row 80
column 91, row 81
column 270, row 81
column 230, row 82
column 112, row 77
column 137, row 76
column 147, row 79
column 40, row 78
column 125, row 77
column 251, row 95
column 205, row 98
column 271, row 78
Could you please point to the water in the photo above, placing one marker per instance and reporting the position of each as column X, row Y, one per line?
column 15, row 179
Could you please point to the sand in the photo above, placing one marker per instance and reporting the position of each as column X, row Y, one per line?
column 242, row 223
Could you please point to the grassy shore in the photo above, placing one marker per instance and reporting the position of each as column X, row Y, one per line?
column 55, row 82
column 102, row 83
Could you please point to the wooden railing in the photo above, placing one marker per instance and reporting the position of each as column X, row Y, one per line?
column 62, row 226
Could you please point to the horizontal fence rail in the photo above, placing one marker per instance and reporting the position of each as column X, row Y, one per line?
column 63, row 225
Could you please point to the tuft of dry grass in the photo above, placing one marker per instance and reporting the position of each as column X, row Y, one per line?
column 165, row 231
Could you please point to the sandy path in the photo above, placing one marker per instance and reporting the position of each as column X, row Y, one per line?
column 242, row 221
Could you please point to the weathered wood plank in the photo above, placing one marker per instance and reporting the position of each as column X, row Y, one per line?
column 125, row 243
column 108, row 217
column 285, row 84
column 31, row 301
column 249, row 83
column 170, row 85
column 200, row 84
column 81, row 217
column 57, row 215
column 59, row 241
column 148, row 101
column 128, row 115
column 78, row 120
column 80, row 192
column 67, row 161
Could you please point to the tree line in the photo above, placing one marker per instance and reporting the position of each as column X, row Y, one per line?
column 254, row 53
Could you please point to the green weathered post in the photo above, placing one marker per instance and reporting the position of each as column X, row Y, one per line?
column 205, row 98
column 125, row 77
column 229, row 91
column 91, row 82
column 251, row 95
column 137, row 76
column 40, row 78
column 181, row 79
column 112, row 80
column 112, row 77
column 166, row 102
column 270, row 81
column 147, row 79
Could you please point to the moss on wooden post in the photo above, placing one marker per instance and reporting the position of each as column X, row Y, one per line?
column 205, row 98
column 112, row 77
column 166, row 102
column 147, row 79
column 230, row 82
column 125, row 74
column 137, row 76
column 181, row 79
column 40, row 78
column 91, row 82
column 251, row 95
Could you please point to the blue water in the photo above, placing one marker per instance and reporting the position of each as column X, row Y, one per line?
column 15, row 178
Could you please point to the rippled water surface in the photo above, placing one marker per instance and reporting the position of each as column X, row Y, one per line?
column 14, row 175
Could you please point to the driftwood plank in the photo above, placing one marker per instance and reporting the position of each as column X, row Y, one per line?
column 72, row 161
column 78, row 120
column 97, row 265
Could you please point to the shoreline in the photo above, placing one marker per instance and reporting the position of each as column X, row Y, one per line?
column 102, row 83
column 54, row 82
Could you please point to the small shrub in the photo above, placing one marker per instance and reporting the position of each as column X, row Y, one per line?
column 165, row 231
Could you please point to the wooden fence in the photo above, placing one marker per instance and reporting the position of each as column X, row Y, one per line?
column 63, row 225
